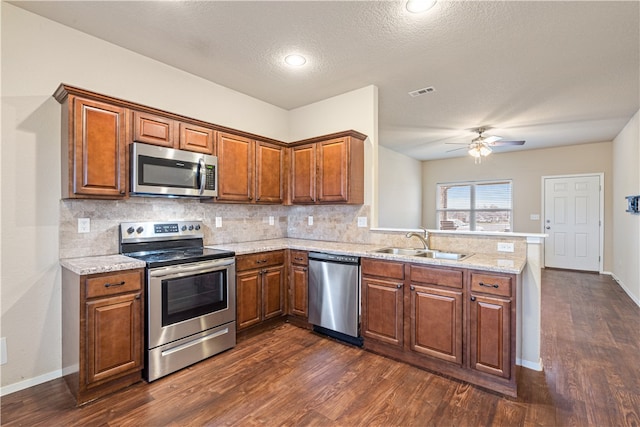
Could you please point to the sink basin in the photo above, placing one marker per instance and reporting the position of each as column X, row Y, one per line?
column 443, row 255
column 401, row 251
column 424, row 253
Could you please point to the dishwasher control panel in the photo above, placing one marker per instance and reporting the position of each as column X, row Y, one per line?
column 323, row 256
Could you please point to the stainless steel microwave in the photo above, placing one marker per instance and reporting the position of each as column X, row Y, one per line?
column 161, row 171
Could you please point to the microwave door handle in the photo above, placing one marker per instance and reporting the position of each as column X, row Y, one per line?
column 203, row 175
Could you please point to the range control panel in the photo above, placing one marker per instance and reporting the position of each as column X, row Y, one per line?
column 161, row 230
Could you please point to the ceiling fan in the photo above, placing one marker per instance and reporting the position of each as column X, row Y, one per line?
column 481, row 145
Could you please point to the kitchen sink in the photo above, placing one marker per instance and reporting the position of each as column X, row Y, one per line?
column 424, row 253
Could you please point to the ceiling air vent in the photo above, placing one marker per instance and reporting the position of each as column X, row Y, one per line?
column 422, row 91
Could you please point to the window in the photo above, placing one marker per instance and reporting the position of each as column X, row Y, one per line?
column 476, row 206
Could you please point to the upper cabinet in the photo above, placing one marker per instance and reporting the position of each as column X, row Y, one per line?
column 328, row 170
column 97, row 129
column 249, row 171
column 158, row 130
column 94, row 140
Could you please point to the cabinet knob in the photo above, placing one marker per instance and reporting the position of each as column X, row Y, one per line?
column 399, row 285
column 413, row 288
column 473, row 298
column 137, row 296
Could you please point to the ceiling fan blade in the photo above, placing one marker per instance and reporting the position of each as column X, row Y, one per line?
column 497, row 143
column 456, row 149
column 492, row 139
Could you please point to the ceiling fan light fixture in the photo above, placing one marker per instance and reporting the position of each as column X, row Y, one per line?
column 419, row 6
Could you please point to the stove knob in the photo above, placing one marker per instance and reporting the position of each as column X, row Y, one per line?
column 184, row 228
column 139, row 230
column 191, row 228
column 197, row 226
column 130, row 230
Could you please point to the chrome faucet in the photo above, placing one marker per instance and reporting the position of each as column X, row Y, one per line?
column 424, row 239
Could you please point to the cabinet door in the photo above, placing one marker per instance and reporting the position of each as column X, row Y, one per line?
column 436, row 323
column 490, row 335
column 249, row 298
column 333, row 173
column 303, row 174
column 152, row 129
column 299, row 290
column 99, row 141
column 269, row 173
column 273, row 292
column 196, row 138
column 382, row 310
column 114, row 337
column 235, row 168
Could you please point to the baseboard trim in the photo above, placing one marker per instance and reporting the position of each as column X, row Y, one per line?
column 625, row 289
column 12, row 388
column 536, row 366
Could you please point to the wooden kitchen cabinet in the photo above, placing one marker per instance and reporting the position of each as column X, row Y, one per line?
column 492, row 324
column 299, row 284
column 166, row 132
column 260, row 280
column 94, row 147
column 436, row 312
column 328, row 170
column 382, row 301
column 249, row 171
column 102, row 332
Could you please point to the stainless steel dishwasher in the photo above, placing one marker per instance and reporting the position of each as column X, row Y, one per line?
column 334, row 296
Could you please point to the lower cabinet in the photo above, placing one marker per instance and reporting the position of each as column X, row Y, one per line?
column 260, row 280
column 382, row 301
column 102, row 332
column 454, row 321
column 299, row 284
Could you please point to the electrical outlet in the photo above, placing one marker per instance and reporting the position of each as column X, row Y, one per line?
column 505, row 247
column 84, row 225
column 3, row 351
column 272, row 221
column 218, row 221
column 310, row 220
column 534, row 217
column 362, row 221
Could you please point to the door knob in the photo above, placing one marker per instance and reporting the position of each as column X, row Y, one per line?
column 548, row 228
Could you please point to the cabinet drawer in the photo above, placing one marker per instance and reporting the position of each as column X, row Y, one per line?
column 386, row 269
column 114, row 283
column 436, row 276
column 263, row 259
column 300, row 257
column 491, row 284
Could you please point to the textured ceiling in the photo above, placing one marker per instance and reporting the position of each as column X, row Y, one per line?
column 550, row 72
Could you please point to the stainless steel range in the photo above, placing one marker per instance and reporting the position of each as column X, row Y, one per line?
column 190, row 294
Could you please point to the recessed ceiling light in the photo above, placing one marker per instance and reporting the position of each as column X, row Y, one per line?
column 418, row 6
column 295, row 60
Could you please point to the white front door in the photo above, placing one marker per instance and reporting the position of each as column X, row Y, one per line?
column 572, row 221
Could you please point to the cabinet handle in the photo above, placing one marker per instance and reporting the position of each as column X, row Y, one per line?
column 108, row 285
column 137, row 296
column 399, row 285
column 304, row 269
column 299, row 259
column 473, row 298
column 250, row 198
column 488, row 285
column 413, row 288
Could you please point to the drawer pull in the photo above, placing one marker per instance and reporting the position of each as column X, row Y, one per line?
column 299, row 259
column 473, row 298
column 108, row 285
column 413, row 288
column 488, row 285
column 399, row 285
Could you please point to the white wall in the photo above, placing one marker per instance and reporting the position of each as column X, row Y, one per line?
column 37, row 55
column 626, row 226
column 399, row 189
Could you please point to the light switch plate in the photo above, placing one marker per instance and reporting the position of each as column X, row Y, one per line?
column 84, row 225
column 362, row 221
column 271, row 220
column 218, row 221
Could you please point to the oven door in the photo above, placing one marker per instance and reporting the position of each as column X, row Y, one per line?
column 186, row 299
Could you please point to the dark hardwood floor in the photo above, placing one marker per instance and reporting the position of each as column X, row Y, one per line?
column 290, row 376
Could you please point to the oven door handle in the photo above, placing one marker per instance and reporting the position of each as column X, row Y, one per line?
column 186, row 269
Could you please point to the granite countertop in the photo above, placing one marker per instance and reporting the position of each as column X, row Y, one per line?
column 101, row 264
column 499, row 263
